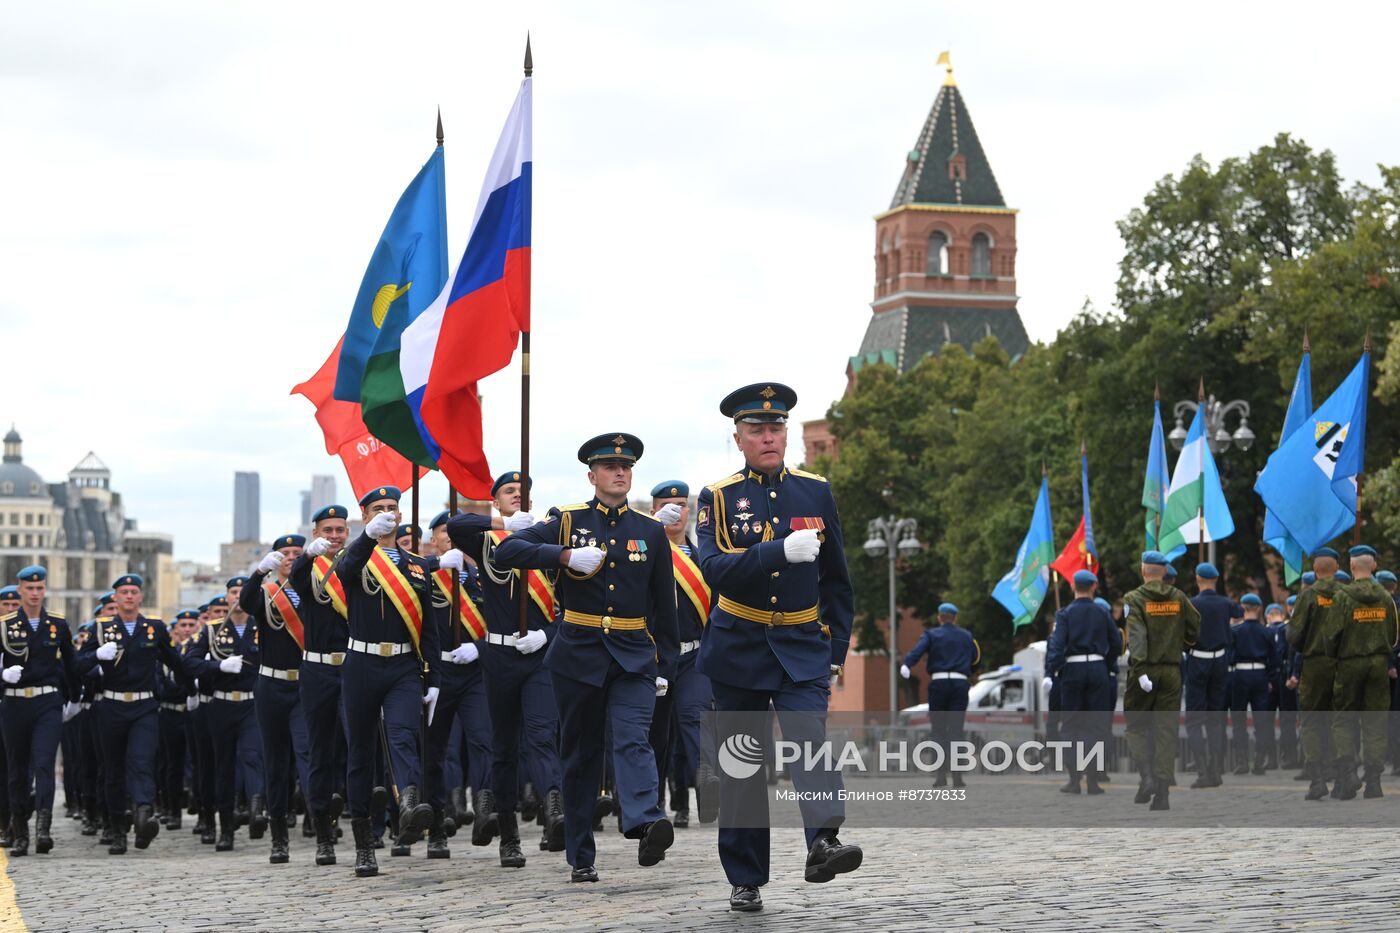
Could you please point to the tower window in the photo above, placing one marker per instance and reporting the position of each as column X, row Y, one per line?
column 981, row 255
column 937, row 253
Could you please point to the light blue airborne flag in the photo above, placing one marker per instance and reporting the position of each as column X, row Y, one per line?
column 1275, row 534
column 1309, row 483
column 1023, row 588
column 1156, row 480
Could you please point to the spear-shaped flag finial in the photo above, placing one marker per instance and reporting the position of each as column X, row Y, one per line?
column 1307, row 347
column 439, row 127
column 529, row 59
column 1201, row 392
column 1156, row 391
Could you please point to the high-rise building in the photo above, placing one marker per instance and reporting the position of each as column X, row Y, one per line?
column 322, row 493
column 247, row 508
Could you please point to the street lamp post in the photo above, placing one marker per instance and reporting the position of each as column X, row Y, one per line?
column 1217, row 437
column 896, row 537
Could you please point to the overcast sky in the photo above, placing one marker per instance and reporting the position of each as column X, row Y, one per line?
column 189, row 194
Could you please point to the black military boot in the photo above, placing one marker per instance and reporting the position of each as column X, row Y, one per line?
column 706, row 794
column 147, row 826
column 1091, row 779
column 174, row 819
column 105, row 839
column 1202, row 774
column 465, row 813
column 1144, row 791
column 19, row 833
column 554, row 821
column 957, row 778
column 1242, row 759
column 1373, row 789
column 415, row 816
column 680, row 804
column 325, row 839
column 89, row 817
column 1317, row 789
column 43, row 823
column 257, row 817
column 1347, row 784
column 7, row 838
column 228, row 822
column 120, row 824
column 365, row 864
column 1159, row 796
column 487, row 823
column 829, row 857
column 511, row 856
column 529, row 803
column 207, row 834
column 437, row 836
column 1072, row 785
column 940, row 777
column 308, row 826
column 281, row 851
column 1271, row 761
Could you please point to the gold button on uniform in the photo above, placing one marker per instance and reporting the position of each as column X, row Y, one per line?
column 612, row 586
column 612, row 540
column 773, row 494
column 772, row 599
column 611, row 564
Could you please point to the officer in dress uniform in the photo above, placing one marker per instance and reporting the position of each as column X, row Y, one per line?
column 952, row 657
column 1207, row 670
column 95, row 816
column 1082, row 644
column 519, row 691
column 275, row 607
column 1254, row 664
column 616, row 649
column 462, row 695
column 1312, row 628
column 126, row 651
column 388, row 593
column 206, row 769
column 691, row 696
column 40, row 689
column 326, row 636
column 771, row 550
column 172, row 693
column 1162, row 623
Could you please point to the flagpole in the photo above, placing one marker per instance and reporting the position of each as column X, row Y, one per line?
column 456, row 610
column 1356, row 519
column 1201, row 510
column 525, row 416
column 1161, row 497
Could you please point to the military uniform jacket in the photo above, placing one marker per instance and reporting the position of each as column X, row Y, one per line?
column 949, row 648
column 1162, row 623
column 1368, row 623
column 1316, row 620
column 1216, row 611
column 1251, row 641
column 221, row 640
column 170, row 686
column 690, row 621
column 625, row 611
column 1083, row 627
column 499, row 585
column 442, row 617
column 88, row 683
column 46, row 653
column 769, row 617
column 372, row 614
column 276, row 646
column 326, row 629
column 139, row 654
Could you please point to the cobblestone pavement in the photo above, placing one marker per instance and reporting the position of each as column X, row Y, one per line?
column 1248, row 871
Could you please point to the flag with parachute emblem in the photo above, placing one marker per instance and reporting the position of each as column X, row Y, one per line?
column 1023, row 588
column 1276, row 535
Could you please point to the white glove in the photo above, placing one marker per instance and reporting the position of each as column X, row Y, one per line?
column 530, row 642
column 585, row 560
column 317, row 547
column 518, row 522
column 662, row 685
column 107, row 651
column 1145, row 683
column 904, row 671
column 382, row 524
column 1047, row 683
column 271, row 561
column 430, row 701
column 231, row 664
column 464, row 654
column 801, row 547
column 450, row 560
column 12, row 675
column 192, row 703
column 70, row 710
column 669, row 514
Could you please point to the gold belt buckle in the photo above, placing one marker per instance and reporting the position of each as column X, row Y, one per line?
column 28, row 692
column 607, row 624
column 127, row 697
column 777, row 619
column 337, row 657
column 386, row 650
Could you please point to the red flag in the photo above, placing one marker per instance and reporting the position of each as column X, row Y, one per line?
column 368, row 461
column 1075, row 556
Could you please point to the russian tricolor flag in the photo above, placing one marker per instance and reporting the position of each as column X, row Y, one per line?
column 472, row 329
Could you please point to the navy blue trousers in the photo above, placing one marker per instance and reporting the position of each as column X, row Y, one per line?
column 91, row 750
column 624, row 702
column 1250, row 689
column 1083, row 691
column 205, row 766
column 693, row 703
column 130, row 735
column 171, row 769
column 520, row 695
column 947, row 708
column 33, row 727
column 319, row 687
column 233, row 732
column 1206, row 705
column 743, row 802
column 370, row 686
column 461, row 717
column 284, row 740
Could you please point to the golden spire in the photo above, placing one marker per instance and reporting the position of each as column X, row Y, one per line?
column 946, row 61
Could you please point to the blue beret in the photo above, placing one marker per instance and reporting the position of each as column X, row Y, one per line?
column 1251, row 599
column 236, row 581
column 289, row 541
column 1207, row 571
column 1154, row 557
column 380, row 492
column 1103, row 604
column 9, row 592
column 32, row 574
column 1309, row 578
column 1291, row 600
column 329, row 511
column 1362, row 550
column 671, row 489
column 187, row 614
column 1327, row 552
column 1385, row 576
column 1343, row 576
column 203, row 607
column 1272, row 607
column 218, row 601
column 106, row 597
column 760, row 402
column 947, row 609
column 1084, row 578
column 128, row 579
column 439, row 519
column 624, row 447
column 512, row 477
column 402, row 530
column 1170, row 573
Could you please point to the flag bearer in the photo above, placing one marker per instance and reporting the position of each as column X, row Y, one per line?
column 1205, row 679
column 1311, row 631
column 953, row 656
column 1254, row 663
column 1081, row 645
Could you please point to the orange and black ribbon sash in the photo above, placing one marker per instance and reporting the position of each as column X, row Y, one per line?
column 396, row 587
column 469, row 613
column 280, row 601
column 330, row 583
column 691, row 582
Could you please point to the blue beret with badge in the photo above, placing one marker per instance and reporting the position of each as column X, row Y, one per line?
column 759, row 403
column 107, row 597
column 32, row 574
column 506, row 478
column 1343, row 577
column 1309, row 578
column 9, row 592
column 1084, row 578
column 203, row 608
column 379, row 493
column 128, row 579
column 947, row 609
column 1251, row 599
column 289, row 541
column 615, row 448
column 187, row 614
column 671, row 489
column 1327, row 552
column 1362, row 550
column 329, row 511
column 407, row 529
column 439, row 519
column 1385, row 576
column 1207, row 571
column 1155, row 558
column 236, row 581
column 1290, row 601
column 218, row 602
